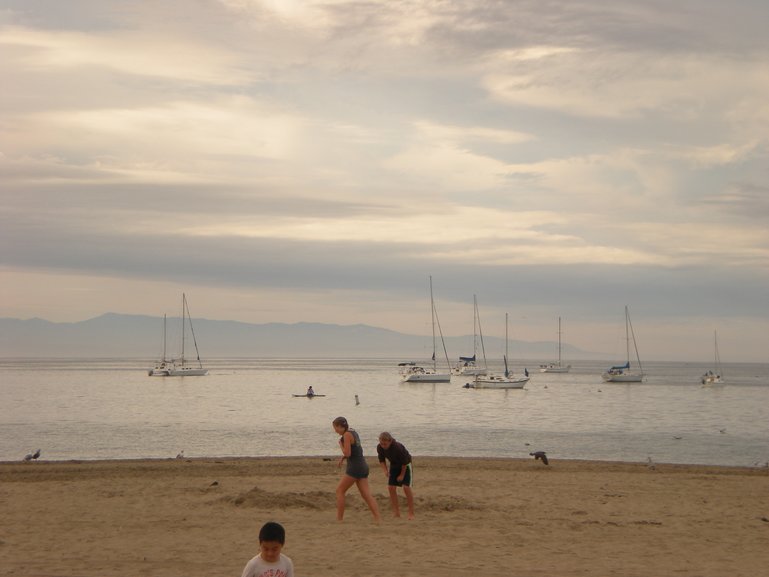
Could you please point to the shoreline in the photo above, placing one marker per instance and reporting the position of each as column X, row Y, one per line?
column 372, row 461
column 492, row 516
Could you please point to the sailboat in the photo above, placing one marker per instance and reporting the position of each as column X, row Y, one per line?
column 505, row 381
column 412, row 373
column 179, row 367
column 622, row 373
column 717, row 378
column 469, row 365
column 161, row 367
column 556, row 367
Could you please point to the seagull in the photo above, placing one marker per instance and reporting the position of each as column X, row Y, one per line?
column 540, row 455
column 180, row 455
column 32, row 456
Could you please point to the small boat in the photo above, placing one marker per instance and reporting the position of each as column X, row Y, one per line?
column 623, row 373
column 556, row 367
column 410, row 372
column 179, row 367
column 505, row 381
column 717, row 377
column 309, row 396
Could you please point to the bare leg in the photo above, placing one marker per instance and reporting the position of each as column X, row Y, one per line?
column 394, row 500
column 365, row 492
column 344, row 483
column 409, row 500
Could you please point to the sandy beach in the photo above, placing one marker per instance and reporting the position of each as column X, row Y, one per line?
column 491, row 517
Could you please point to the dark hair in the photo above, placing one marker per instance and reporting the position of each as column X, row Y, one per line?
column 272, row 531
column 341, row 422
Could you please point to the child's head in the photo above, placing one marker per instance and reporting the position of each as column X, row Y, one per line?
column 340, row 425
column 272, row 537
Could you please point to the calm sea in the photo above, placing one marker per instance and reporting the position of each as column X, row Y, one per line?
column 105, row 409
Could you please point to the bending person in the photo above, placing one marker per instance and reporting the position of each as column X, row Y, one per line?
column 356, row 472
column 399, row 474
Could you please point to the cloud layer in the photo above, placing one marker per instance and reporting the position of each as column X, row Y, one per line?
column 323, row 158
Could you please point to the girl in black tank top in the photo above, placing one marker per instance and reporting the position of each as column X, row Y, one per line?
column 356, row 472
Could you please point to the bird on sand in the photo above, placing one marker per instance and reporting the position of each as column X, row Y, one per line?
column 540, row 455
column 32, row 456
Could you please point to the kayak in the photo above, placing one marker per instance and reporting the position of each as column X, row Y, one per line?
column 309, row 396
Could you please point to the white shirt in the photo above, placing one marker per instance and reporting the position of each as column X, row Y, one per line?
column 258, row 567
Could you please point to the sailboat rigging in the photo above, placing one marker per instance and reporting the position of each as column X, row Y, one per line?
column 469, row 365
column 717, row 377
column 411, row 372
column 505, row 381
column 179, row 367
column 622, row 373
column 556, row 367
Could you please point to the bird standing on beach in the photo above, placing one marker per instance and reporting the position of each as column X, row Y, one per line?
column 540, row 455
column 32, row 456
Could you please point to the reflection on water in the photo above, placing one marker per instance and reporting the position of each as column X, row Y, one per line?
column 94, row 409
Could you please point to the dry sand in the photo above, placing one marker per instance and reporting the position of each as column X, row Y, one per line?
column 485, row 517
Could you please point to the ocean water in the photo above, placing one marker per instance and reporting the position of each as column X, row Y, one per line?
column 106, row 409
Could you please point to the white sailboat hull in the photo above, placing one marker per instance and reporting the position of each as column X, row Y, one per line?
column 623, row 377
column 500, row 382
column 470, row 371
column 426, row 377
column 187, row 372
column 554, row 368
column 160, row 370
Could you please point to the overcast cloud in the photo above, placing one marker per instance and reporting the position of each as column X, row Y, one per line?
column 288, row 160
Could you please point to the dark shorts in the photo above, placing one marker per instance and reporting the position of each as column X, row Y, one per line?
column 357, row 469
column 395, row 471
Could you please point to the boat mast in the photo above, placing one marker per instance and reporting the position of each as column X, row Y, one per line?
column 432, row 313
column 559, row 341
column 718, row 356
column 627, row 337
column 635, row 344
column 475, row 329
column 192, row 330
column 184, row 305
column 480, row 332
column 507, row 372
column 164, row 338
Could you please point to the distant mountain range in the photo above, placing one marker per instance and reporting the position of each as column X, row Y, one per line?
column 116, row 335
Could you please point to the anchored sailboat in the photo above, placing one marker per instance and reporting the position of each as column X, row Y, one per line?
column 469, row 365
column 717, row 377
column 412, row 373
column 556, row 367
column 506, row 381
column 179, row 367
column 622, row 373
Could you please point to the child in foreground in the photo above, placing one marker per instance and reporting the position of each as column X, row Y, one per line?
column 270, row 562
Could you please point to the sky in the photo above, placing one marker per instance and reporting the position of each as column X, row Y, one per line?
column 289, row 160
